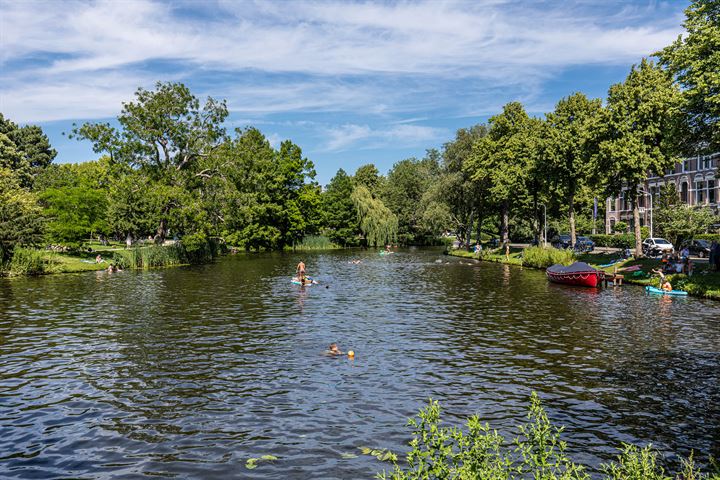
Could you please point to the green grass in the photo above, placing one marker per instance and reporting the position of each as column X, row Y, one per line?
column 150, row 257
column 316, row 242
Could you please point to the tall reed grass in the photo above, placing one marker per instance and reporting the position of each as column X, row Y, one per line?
column 151, row 257
column 26, row 261
column 543, row 257
column 316, row 242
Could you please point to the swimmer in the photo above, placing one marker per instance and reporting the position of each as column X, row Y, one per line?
column 333, row 349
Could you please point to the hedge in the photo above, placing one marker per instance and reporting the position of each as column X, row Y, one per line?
column 615, row 241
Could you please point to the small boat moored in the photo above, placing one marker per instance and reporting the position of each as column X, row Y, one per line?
column 579, row 274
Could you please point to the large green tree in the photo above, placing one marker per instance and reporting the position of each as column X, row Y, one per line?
column 369, row 177
column 377, row 223
column 570, row 146
column 25, row 151
column 339, row 215
column 165, row 132
column 407, row 182
column 640, row 127
column 503, row 158
column 20, row 217
column 694, row 60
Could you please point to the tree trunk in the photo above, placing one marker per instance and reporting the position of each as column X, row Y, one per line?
column 468, row 233
column 128, row 240
column 504, row 221
column 161, row 232
column 607, row 217
column 537, row 229
column 636, row 220
column 571, row 212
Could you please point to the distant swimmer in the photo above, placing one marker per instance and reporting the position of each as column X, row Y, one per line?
column 333, row 349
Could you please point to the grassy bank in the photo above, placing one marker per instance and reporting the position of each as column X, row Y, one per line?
column 27, row 261
column 703, row 283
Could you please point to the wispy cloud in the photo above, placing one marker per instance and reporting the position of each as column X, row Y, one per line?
column 77, row 59
column 349, row 136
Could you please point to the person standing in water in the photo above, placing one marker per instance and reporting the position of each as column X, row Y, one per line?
column 300, row 272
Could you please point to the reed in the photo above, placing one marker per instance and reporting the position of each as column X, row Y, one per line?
column 543, row 257
column 316, row 242
column 26, row 261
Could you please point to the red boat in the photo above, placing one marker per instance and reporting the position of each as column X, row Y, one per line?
column 579, row 273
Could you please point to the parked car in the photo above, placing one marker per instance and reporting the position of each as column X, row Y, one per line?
column 700, row 248
column 584, row 244
column 657, row 246
column 561, row 241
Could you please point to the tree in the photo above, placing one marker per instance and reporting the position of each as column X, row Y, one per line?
column 570, row 146
column 20, row 219
column 465, row 200
column 501, row 159
column 640, row 128
column 682, row 222
column 25, row 151
column 407, row 182
column 377, row 223
column 165, row 133
column 694, row 60
column 339, row 215
column 368, row 176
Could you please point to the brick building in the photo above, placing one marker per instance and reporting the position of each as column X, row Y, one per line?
column 694, row 179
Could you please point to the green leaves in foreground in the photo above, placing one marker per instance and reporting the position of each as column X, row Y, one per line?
column 439, row 452
column 252, row 462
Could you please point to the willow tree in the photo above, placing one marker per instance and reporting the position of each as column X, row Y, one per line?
column 377, row 223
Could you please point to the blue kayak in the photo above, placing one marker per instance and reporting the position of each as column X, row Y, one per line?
column 659, row 291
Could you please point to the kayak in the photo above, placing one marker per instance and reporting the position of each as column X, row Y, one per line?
column 659, row 291
column 295, row 281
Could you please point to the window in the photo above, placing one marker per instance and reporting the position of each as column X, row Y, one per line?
column 711, row 191
column 685, row 166
column 699, row 192
column 684, row 192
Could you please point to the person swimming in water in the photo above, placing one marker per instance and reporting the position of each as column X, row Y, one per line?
column 333, row 349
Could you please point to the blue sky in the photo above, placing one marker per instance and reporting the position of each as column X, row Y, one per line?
column 350, row 82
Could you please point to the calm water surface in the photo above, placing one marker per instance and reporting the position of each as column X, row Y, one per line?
column 189, row 372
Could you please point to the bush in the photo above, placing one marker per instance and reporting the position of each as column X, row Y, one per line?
column 27, row 261
column 614, row 241
column 543, row 257
column 315, row 242
column 708, row 236
column 620, row 227
column 149, row 257
column 439, row 452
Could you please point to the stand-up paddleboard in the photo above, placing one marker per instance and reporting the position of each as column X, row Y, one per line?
column 308, row 281
column 659, row 291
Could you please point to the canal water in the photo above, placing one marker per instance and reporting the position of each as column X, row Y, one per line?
column 189, row 372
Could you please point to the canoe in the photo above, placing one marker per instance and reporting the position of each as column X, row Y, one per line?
column 579, row 273
column 658, row 291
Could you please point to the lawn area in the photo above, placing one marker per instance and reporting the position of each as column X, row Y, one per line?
column 495, row 255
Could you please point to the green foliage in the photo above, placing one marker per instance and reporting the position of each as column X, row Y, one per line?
column 368, row 176
column 340, row 218
column 377, row 223
column 439, row 452
column 25, row 151
column 407, row 183
column 26, row 261
column 708, row 236
column 151, row 257
column 621, row 228
column 75, row 213
column 315, row 242
column 569, row 147
column 694, row 60
column 543, row 257
column 682, row 222
column 480, row 453
column 640, row 132
column 624, row 240
column 20, row 217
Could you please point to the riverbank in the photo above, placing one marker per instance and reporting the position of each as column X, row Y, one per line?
column 703, row 283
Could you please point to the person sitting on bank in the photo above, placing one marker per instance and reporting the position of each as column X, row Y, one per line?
column 98, row 259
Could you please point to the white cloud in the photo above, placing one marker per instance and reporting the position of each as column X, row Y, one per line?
column 349, row 136
column 319, row 55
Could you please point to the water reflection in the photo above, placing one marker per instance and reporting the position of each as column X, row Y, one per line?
column 191, row 371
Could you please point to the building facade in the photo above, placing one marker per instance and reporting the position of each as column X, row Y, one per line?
column 694, row 179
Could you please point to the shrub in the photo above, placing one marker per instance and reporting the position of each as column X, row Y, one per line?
column 620, row 227
column 27, row 261
column 149, row 257
column 543, row 257
column 315, row 242
column 480, row 453
column 614, row 241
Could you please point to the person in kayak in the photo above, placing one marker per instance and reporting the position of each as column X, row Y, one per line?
column 664, row 282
